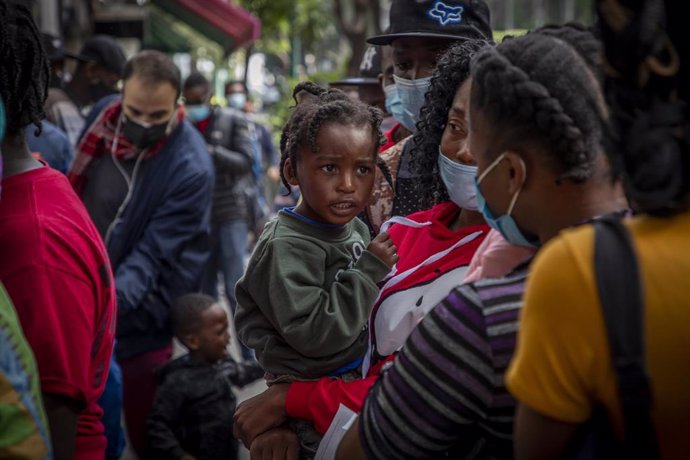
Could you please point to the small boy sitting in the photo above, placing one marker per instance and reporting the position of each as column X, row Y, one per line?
column 192, row 414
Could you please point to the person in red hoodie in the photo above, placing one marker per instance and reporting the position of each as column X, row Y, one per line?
column 435, row 248
column 53, row 263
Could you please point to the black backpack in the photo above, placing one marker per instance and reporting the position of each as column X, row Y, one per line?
column 619, row 285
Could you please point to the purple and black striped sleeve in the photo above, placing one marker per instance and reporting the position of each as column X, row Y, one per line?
column 445, row 391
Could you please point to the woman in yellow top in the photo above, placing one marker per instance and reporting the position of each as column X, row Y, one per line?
column 562, row 369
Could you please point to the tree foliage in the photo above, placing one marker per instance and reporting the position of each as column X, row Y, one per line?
column 528, row 14
column 281, row 20
column 291, row 29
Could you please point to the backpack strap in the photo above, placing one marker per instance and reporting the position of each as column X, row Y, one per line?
column 620, row 290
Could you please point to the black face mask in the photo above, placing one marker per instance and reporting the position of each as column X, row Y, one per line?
column 143, row 136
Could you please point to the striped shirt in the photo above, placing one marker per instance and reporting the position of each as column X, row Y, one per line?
column 446, row 394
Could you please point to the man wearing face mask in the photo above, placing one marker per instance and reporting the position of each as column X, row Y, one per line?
column 226, row 133
column 100, row 64
column 236, row 94
column 266, row 157
column 397, row 131
column 146, row 179
column 419, row 32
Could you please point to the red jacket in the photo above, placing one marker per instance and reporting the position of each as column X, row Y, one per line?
column 389, row 138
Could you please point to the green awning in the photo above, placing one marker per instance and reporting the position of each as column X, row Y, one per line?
column 162, row 35
column 228, row 25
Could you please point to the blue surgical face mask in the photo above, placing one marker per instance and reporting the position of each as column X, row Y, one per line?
column 411, row 94
column 459, row 180
column 198, row 112
column 504, row 224
column 237, row 100
column 393, row 103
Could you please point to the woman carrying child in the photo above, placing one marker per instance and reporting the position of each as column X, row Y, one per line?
column 535, row 132
column 434, row 246
column 305, row 298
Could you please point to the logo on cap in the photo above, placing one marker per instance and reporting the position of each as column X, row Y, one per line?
column 446, row 14
column 368, row 59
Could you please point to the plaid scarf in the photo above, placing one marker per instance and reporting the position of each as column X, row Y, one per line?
column 98, row 140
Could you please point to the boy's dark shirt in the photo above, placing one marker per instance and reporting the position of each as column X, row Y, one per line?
column 194, row 407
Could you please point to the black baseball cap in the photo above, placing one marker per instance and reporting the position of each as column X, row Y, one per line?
column 369, row 70
column 55, row 48
column 104, row 51
column 451, row 19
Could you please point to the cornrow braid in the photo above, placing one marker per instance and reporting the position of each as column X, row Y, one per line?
column 324, row 106
column 538, row 91
column 288, row 142
column 582, row 39
column 24, row 72
column 452, row 70
column 303, row 92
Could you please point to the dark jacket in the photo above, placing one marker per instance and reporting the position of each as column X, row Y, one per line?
column 194, row 406
column 159, row 245
column 231, row 147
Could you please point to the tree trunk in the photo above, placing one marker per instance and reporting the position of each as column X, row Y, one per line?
column 509, row 15
column 568, row 10
column 498, row 13
column 356, row 25
column 538, row 12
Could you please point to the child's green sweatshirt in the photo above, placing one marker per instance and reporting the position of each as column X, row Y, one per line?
column 304, row 301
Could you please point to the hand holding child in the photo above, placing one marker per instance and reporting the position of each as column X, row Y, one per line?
column 260, row 413
column 275, row 444
column 382, row 247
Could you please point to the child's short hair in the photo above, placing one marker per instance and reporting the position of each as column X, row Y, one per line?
column 317, row 106
column 185, row 313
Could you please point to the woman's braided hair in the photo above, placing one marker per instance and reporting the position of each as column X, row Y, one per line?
column 24, row 71
column 582, row 39
column 317, row 106
column 539, row 91
column 452, row 70
column 647, row 89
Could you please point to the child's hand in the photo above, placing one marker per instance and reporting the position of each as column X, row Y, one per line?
column 383, row 248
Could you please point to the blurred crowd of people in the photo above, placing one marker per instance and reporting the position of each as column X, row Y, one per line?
column 472, row 249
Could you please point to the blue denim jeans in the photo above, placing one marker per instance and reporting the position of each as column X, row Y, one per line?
column 228, row 249
column 111, row 403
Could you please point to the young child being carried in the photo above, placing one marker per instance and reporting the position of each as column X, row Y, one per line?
column 304, row 301
column 192, row 414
